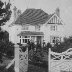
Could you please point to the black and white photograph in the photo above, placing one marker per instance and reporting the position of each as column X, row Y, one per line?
column 35, row 35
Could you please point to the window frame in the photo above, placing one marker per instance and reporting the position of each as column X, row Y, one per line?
column 57, row 39
column 37, row 28
column 25, row 27
column 24, row 39
column 53, row 27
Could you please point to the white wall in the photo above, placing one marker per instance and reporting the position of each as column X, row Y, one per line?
column 45, row 28
column 13, row 32
column 30, row 28
column 47, row 32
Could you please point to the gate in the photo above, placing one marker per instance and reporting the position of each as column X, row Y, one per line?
column 60, row 62
column 20, row 61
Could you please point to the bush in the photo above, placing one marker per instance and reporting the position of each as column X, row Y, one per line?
column 7, row 48
column 38, row 54
column 63, row 46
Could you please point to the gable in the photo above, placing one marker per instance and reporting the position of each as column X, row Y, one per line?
column 54, row 20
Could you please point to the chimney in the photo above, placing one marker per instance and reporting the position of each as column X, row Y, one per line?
column 57, row 11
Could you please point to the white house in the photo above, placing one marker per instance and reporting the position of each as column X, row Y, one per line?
column 37, row 26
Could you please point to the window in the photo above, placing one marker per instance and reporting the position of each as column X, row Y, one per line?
column 53, row 27
column 25, row 28
column 24, row 39
column 37, row 28
column 54, row 39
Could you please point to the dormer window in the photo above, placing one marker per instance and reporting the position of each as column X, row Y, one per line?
column 53, row 27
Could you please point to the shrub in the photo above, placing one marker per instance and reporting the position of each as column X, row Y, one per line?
column 63, row 46
column 7, row 48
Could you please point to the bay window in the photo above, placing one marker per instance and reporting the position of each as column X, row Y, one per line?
column 55, row 39
column 24, row 39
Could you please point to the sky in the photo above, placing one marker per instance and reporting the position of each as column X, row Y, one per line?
column 49, row 7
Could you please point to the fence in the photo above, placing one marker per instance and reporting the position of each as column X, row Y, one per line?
column 60, row 62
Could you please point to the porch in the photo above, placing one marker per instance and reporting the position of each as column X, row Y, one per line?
column 26, row 36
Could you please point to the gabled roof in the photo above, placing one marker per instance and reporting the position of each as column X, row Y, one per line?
column 55, row 19
column 33, row 16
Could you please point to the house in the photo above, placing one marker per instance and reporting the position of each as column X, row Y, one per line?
column 38, row 26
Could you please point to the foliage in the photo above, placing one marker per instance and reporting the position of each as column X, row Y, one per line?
column 5, row 12
column 7, row 48
column 39, row 54
column 31, row 45
column 63, row 46
column 37, row 68
column 4, row 36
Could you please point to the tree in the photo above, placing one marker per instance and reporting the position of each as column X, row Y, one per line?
column 5, row 12
column 4, row 36
column 6, row 47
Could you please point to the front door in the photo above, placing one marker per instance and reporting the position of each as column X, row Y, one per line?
column 39, row 39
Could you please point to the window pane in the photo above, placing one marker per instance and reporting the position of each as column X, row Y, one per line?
column 25, row 36
column 54, row 28
column 28, row 36
column 28, row 40
column 25, row 28
column 53, row 41
column 20, row 36
column 37, row 28
column 25, row 40
column 20, row 40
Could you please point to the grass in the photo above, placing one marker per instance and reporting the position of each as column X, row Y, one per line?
column 35, row 68
column 5, row 62
column 32, row 67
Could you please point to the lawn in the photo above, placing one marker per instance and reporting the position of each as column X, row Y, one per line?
column 31, row 67
column 3, row 65
column 35, row 68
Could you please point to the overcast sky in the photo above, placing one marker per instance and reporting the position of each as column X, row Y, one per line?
column 49, row 6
